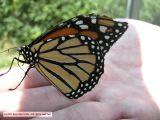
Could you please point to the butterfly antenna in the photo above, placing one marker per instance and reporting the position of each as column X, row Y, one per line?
column 11, row 62
column 9, row 67
column 12, row 65
column 8, row 49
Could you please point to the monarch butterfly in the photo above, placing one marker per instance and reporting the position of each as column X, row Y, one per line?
column 71, row 55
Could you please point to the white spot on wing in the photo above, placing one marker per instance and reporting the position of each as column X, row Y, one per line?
column 97, row 70
column 35, row 55
column 94, row 83
column 112, row 40
column 90, row 87
column 106, row 37
column 68, row 25
column 86, row 43
column 120, row 24
column 84, row 26
column 61, row 24
column 79, row 90
column 76, row 95
column 73, row 93
column 105, row 51
column 49, row 40
column 71, row 35
column 68, row 94
column 125, row 26
column 103, row 28
column 82, row 37
column 86, row 84
column 97, row 47
column 107, row 44
column 93, row 46
column 101, row 41
column 117, row 31
column 92, row 42
column 63, row 38
column 89, row 38
column 102, row 47
column 93, row 21
column 85, row 89
column 79, row 22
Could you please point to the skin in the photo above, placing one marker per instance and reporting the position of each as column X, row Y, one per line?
column 128, row 90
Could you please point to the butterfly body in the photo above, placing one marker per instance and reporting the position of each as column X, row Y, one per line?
column 71, row 55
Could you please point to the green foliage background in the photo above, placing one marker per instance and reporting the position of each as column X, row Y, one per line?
column 21, row 21
column 150, row 11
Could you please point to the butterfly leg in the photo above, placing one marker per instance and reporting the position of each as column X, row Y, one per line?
column 11, row 65
column 21, row 80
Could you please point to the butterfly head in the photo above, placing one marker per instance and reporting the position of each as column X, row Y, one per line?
column 27, row 54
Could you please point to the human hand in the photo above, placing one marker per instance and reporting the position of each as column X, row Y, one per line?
column 128, row 89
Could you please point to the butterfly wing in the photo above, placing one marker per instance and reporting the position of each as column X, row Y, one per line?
column 103, row 29
column 72, row 64
column 71, row 55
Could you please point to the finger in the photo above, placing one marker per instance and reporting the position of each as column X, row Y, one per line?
column 87, row 111
column 37, row 99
